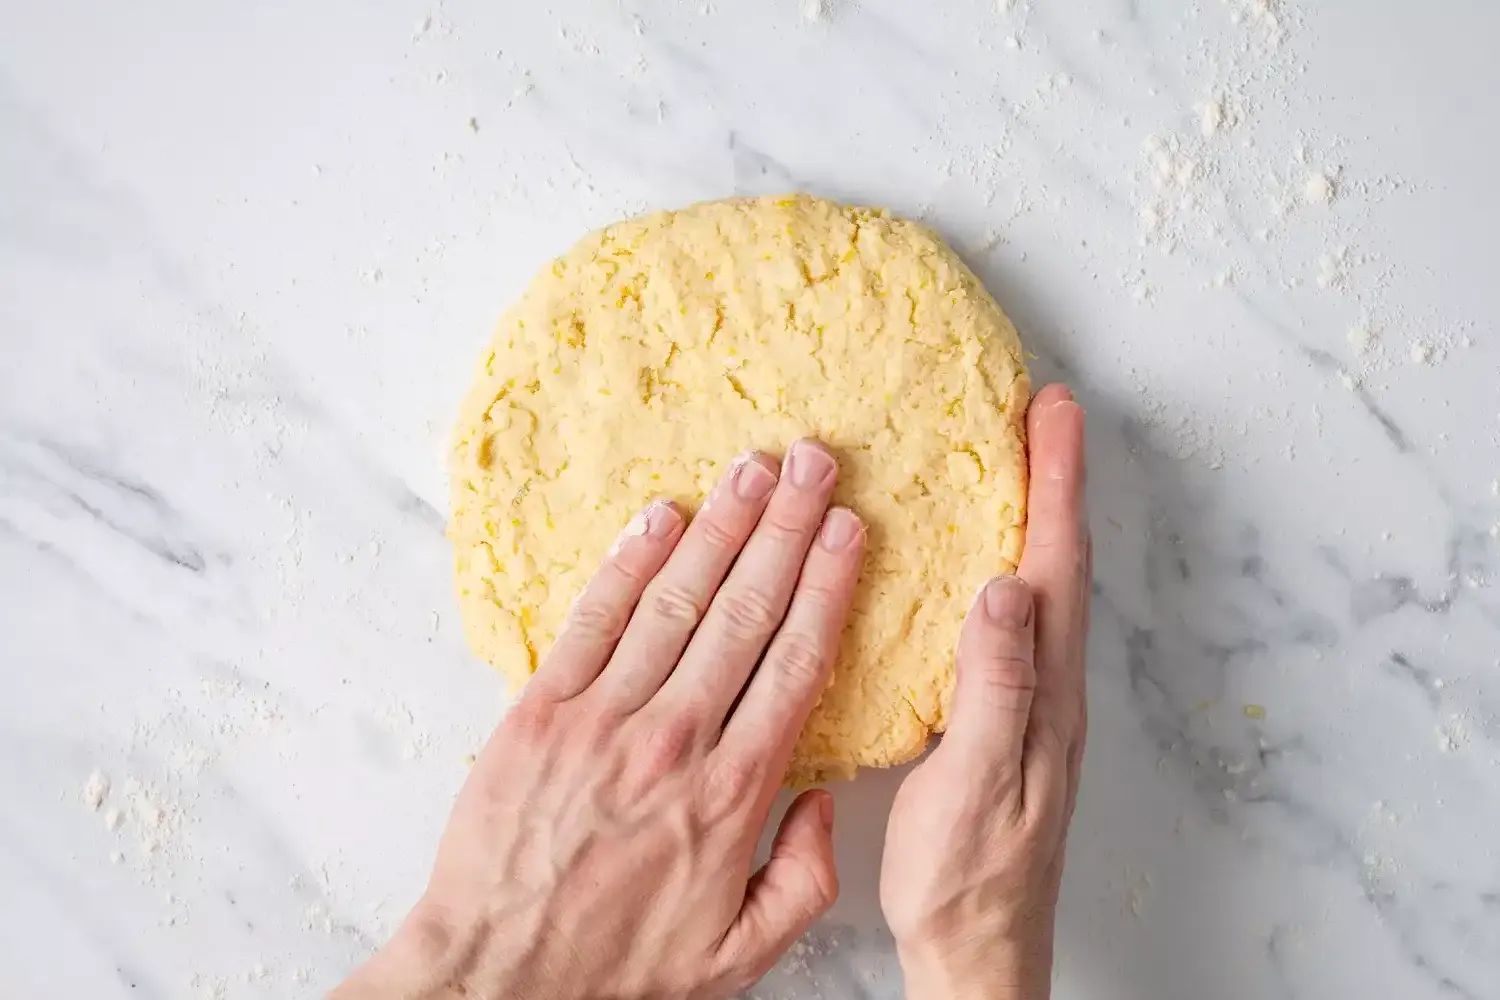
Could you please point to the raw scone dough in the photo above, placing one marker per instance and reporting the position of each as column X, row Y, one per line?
column 639, row 363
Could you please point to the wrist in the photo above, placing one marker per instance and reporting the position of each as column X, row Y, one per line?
column 428, row 958
column 976, row 970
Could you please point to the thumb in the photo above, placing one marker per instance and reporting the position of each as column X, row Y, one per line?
column 795, row 887
column 996, row 677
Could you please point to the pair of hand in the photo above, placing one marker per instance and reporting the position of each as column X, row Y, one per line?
column 603, row 844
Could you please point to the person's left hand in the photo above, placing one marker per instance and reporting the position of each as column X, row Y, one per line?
column 603, row 843
column 975, row 845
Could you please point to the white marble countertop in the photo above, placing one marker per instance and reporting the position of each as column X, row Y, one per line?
column 249, row 253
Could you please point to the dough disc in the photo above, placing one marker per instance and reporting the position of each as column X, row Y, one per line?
column 639, row 363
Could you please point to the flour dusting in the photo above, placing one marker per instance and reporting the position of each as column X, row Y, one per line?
column 95, row 788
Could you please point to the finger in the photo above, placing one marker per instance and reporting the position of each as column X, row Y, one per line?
column 1055, row 392
column 792, row 676
column 996, row 681
column 599, row 617
column 674, row 602
column 1055, row 522
column 1055, row 565
column 797, row 885
column 749, row 606
column 1076, row 750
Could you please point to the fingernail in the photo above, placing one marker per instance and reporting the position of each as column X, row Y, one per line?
column 658, row 520
column 1067, row 402
column 825, row 811
column 751, row 479
column 840, row 526
column 662, row 518
column 1007, row 602
column 809, row 465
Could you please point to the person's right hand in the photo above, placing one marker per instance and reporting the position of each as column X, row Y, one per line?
column 974, row 850
column 603, row 845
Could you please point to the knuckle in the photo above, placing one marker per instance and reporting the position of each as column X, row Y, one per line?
column 530, row 720
column 748, row 613
column 799, row 661
column 825, row 889
column 594, row 619
column 665, row 745
column 816, row 595
column 729, row 783
column 676, row 605
column 632, row 566
column 1052, row 739
column 1008, row 681
column 719, row 535
column 1035, row 831
column 788, row 522
column 595, row 732
column 1043, row 538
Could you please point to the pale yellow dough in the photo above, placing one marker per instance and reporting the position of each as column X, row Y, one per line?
column 639, row 363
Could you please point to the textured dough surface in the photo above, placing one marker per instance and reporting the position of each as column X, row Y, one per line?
column 644, row 359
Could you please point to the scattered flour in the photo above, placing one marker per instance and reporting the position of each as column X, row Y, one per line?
column 155, row 817
column 578, row 42
column 431, row 25
column 1263, row 17
column 1320, row 188
column 316, row 917
column 1173, row 168
column 1217, row 178
column 1211, row 116
column 1140, row 884
column 95, row 788
column 1454, row 734
column 209, row 987
column 1219, row 112
column 1333, row 268
column 1362, row 338
column 1378, row 870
